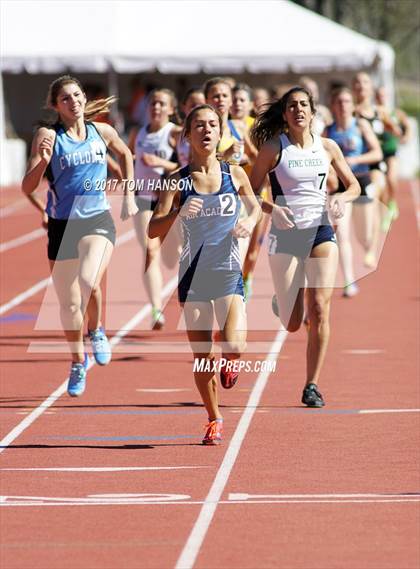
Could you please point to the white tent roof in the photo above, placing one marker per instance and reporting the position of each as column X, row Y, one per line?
column 178, row 36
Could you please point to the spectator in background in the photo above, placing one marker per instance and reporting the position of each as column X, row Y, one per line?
column 260, row 98
column 323, row 116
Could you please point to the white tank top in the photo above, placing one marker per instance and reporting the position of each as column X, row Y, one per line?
column 156, row 143
column 299, row 181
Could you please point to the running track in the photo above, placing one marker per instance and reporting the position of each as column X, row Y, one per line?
column 117, row 479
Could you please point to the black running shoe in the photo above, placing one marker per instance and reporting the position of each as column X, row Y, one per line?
column 312, row 397
column 274, row 305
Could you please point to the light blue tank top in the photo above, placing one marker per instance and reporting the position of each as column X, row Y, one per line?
column 77, row 176
column 351, row 143
column 208, row 240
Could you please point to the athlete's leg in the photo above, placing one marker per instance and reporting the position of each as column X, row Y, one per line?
column 343, row 233
column 392, row 185
column 152, row 275
column 171, row 245
column 254, row 248
column 95, row 253
column 65, row 276
column 365, row 219
column 231, row 317
column 321, row 269
column 289, row 282
column 199, row 322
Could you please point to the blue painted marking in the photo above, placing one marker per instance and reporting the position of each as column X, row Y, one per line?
column 17, row 317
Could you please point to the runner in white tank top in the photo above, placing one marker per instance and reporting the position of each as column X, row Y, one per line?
column 302, row 242
column 155, row 143
column 299, row 181
column 153, row 146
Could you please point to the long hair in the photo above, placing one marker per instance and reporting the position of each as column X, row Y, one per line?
column 271, row 121
column 92, row 108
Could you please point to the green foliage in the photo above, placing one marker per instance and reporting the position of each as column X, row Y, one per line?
column 393, row 21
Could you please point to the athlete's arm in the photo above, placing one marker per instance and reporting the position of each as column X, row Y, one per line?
column 125, row 160
column 154, row 161
column 266, row 160
column 389, row 124
column 374, row 153
column 164, row 215
column 338, row 162
column 405, row 125
column 41, row 153
column 40, row 157
column 132, row 139
column 245, row 227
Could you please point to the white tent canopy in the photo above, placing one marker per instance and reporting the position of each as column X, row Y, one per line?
column 184, row 36
column 178, row 37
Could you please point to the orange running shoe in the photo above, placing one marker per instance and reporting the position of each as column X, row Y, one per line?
column 214, row 431
column 228, row 378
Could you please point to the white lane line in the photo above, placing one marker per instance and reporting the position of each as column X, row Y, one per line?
column 383, row 495
column 32, row 236
column 173, row 500
column 128, row 326
column 25, row 295
column 363, row 352
column 12, row 208
column 45, row 282
column 198, row 533
column 102, row 468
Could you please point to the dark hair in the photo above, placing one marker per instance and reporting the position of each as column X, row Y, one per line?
column 212, row 82
column 243, row 87
column 187, row 126
column 338, row 90
column 92, row 108
column 190, row 92
column 271, row 121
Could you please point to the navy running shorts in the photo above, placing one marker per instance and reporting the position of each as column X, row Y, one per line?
column 299, row 242
column 197, row 285
column 64, row 234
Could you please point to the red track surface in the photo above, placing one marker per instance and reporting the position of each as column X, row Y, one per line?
column 287, row 450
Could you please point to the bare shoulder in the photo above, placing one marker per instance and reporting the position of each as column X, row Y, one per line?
column 106, row 131
column 329, row 144
column 364, row 125
column 331, row 147
column 238, row 174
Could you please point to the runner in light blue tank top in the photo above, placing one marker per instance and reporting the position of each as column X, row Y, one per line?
column 81, row 232
column 77, row 173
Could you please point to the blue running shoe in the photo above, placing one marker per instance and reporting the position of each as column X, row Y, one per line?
column 100, row 346
column 77, row 380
